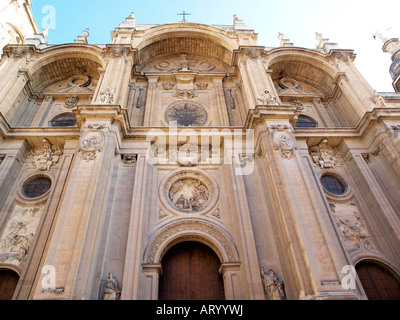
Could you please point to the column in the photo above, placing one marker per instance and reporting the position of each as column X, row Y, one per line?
column 73, row 247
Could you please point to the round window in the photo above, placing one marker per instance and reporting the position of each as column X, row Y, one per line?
column 34, row 188
column 187, row 115
column 333, row 184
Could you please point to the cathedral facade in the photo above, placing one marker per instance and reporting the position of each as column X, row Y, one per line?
column 185, row 161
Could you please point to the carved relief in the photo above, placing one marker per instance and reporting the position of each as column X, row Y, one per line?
column 202, row 85
column 266, row 98
column 129, row 160
column 168, row 85
column 192, row 227
column 188, row 191
column 324, row 155
column 46, row 156
column 245, row 159
column 185, row 94
column 284, row 141
column 188, row 195
column 253, row 54
column 19, row 234
column 117, row 52
column 378, row 100
column 71, row 102
column 352, row 226
column 92, row 142
column 106, row 96
column 78, row 83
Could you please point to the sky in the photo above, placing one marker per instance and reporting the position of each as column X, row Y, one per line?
column 349, row 23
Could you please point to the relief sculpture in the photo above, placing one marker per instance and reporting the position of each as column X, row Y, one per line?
column 188, row 195
column 19, row 234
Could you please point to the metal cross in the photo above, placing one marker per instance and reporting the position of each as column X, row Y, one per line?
column 183, row 14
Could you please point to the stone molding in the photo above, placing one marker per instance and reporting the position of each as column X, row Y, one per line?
column 194, row 229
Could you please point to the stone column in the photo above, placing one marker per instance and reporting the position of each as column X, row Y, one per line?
column 151, row 275
column 150, row 101
column 134, row 254
column 221, row 105
column 232, row 276
column 255, row 78
column 245, row 242
column 305, row 234
column 116, row 76
column 73, row 246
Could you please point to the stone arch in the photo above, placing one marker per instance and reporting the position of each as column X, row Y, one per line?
column 379, row 279
column 9, row 278
column 186, row 38
column 303, row 65
column 191, row 230
column 62, row 61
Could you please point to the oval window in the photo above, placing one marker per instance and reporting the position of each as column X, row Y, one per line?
column 36, row 187
column 333, row 184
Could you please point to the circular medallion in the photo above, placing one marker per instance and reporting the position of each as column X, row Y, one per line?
column 92, row 141
column 189, row 191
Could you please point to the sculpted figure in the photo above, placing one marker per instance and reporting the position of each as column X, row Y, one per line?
column 273, row 286
column 112, row 291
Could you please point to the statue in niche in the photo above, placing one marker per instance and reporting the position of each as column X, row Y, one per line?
column 273, row 286
column 111, row 291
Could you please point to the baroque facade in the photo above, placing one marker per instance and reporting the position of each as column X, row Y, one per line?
column 271, row 172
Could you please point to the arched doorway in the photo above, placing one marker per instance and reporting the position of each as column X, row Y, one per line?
column 8, row 283
column 190, row 272
column 377, row 281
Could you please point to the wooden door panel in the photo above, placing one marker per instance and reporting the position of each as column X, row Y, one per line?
column 8, row 283
column 190, row 272
column 378, row 283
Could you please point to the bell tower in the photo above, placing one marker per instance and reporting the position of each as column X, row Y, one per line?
column 392, row 46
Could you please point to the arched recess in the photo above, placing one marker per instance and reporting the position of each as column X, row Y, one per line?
column 191, row 272
column 8, row 283
column 191, row 230
column 311, row 78
column 188, row 38
column 199, row 231
column 62, row 62
column 379, row 281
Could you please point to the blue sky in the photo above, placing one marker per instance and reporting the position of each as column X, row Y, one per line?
column 350, row 23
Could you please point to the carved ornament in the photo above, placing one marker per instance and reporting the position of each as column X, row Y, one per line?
column 46, row 156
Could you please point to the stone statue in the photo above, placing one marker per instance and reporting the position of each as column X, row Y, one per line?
column 111, row 291
column 266, row 98
column 273, row 286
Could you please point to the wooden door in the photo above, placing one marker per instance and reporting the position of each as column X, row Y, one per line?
column 190, row 272
column 378, row 283
column 8, row 283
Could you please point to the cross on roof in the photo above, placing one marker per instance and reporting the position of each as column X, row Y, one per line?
column 183, row 14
